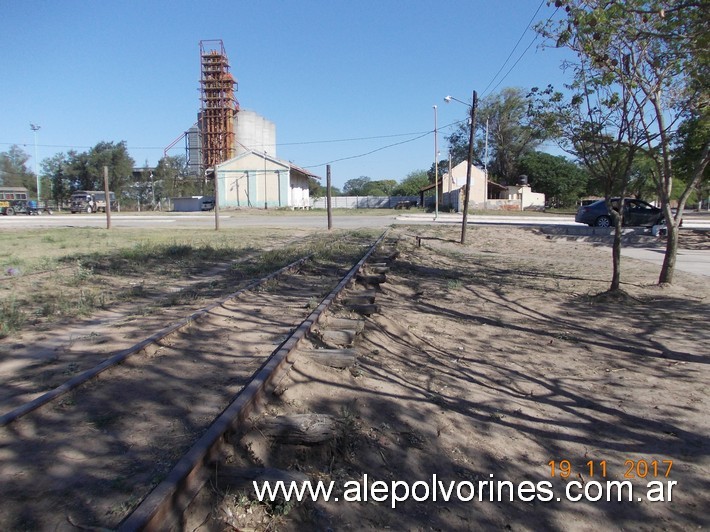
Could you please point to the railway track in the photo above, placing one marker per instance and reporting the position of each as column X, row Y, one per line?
column 128, row 442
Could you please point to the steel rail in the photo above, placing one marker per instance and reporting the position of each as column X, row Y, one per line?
column 121, row 356
column 164, row 507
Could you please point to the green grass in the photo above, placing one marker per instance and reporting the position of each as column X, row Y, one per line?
column 72, row 272
column 11, row 317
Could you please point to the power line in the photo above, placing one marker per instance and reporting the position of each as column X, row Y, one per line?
column 369, row 152
column 524, row 52
column 420, row 134
column 298, row 143
column 514, row 48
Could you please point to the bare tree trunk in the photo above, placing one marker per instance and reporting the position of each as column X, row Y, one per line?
column 668, row 268
column 616, row 256
column 673, row 223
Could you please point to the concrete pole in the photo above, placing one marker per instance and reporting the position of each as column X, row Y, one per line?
column 216, row 201
column 108, row 198
column 328, row 198
column 436, row 169
column 474, row 104
column 36, row 128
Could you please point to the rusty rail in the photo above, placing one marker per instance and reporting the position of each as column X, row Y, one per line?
column 164, row 507
column 121, row 356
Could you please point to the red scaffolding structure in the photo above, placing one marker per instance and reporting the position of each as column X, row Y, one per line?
column 219, row 106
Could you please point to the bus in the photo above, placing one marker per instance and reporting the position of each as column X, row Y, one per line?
column 16, row 200
column 90, row 201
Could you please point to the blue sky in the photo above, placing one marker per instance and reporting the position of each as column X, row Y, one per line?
column 321, row 70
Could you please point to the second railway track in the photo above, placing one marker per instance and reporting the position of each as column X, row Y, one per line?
column 92, row 454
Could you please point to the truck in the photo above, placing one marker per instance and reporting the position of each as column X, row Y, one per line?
column 90, row 201
column 16, row 200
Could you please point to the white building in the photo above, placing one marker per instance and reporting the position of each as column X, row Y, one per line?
column 255, row 179
column 485, row 194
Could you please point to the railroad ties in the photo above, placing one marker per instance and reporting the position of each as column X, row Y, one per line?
column 332, row 330
column 336, row 338
column 338, row 335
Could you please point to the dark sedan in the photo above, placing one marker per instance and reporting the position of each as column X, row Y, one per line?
column 636, row 212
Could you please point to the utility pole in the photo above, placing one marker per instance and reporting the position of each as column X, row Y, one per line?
column 485, row 170
column 108, row 198
column 36, row 128
column 328, row 198
column 436, row 169
column 474, row 104
column 216, row 201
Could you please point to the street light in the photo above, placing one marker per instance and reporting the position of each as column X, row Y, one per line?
column 473, row 106
column 436, row 170
column 35, row 128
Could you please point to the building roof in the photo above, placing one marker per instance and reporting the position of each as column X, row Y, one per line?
column 292, row 167
column 304, row 171
column 430, row 187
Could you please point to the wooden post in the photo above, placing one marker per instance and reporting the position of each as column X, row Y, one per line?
column 328, row 199
column 474, row 103
column 108, row 198
column 216, row 202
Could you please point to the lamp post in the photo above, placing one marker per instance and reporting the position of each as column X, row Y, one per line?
column 436, row 169
column 473, row 105
column 485, row 169
column 35, row 128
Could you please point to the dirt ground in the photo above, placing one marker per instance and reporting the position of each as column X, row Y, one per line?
column 500, row 361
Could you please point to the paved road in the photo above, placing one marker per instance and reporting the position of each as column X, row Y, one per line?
column 695, row 261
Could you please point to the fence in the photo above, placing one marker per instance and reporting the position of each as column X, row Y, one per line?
column 362, row 202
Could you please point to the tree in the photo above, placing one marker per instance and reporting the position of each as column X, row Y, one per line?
column 78, row 172
column 171, row 173
column 356, row 186
column 412, row 183
column 382, row 187
column 562, row 181
column 597, row 126
column 687, row 146
column 84, row 171
column 655, row 51
column 120, row 166
column 14, row 171
column 54, row 168
column 511, row 133
column 317, row 190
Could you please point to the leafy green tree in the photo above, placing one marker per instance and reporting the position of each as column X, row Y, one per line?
column 54, row 169
column 687, row 146
column 171, row 175
column 512, row 133
column 84, row 170
column 382, row 187
column 562, row 181
column 78, row 172
column 412, row 183
column 120, row 165
column 654, row 52
column 356, row 186
column 14, row 171
column 641, row 182
column 317, row 190
column 600, row 129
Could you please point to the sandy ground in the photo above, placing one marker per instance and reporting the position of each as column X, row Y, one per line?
column 500, row 361
column 497, row 361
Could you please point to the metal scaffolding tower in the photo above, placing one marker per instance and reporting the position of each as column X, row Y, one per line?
column 219, row 106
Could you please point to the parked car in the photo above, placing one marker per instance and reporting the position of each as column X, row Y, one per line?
column 636, row 212
column 207, row 203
